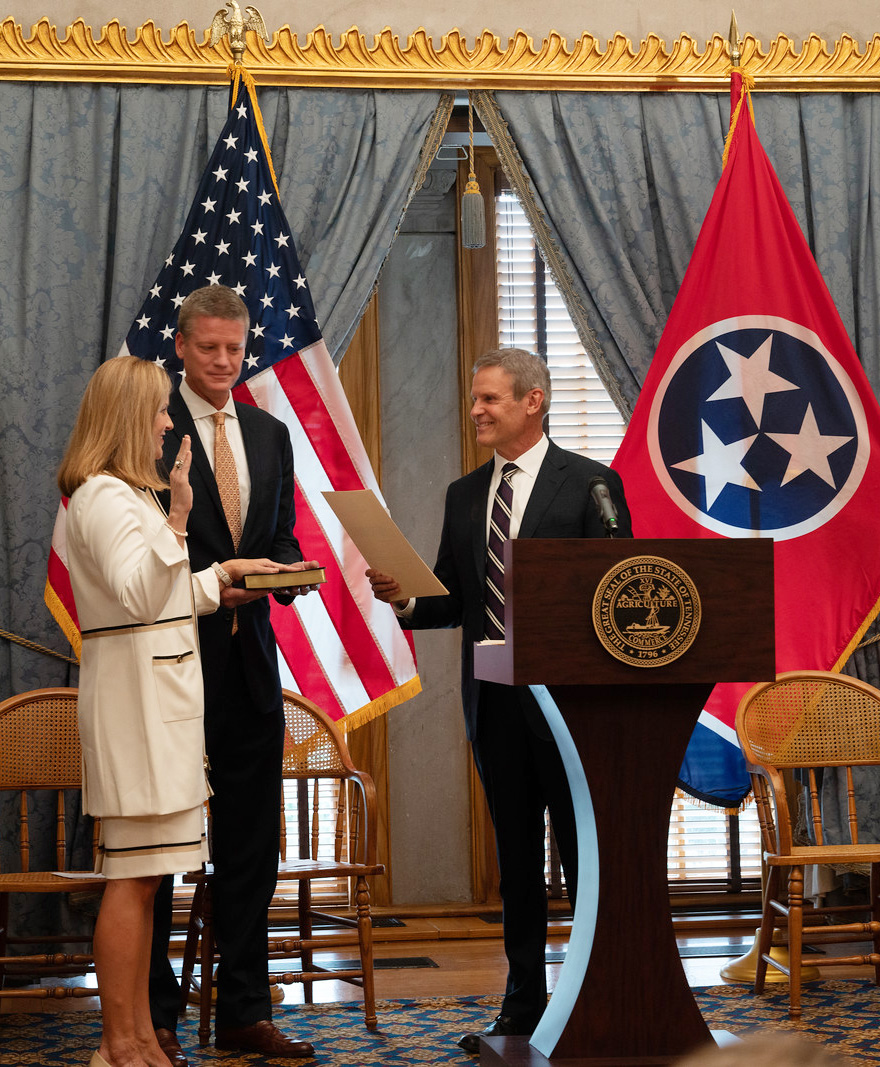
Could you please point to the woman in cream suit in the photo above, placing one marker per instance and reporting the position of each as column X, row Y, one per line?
column 140, row 693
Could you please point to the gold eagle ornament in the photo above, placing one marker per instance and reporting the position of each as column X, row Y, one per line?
column 233, row 24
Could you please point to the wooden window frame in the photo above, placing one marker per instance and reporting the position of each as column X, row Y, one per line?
column 359, row 376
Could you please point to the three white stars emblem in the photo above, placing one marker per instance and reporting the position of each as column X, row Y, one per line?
column 751, row 380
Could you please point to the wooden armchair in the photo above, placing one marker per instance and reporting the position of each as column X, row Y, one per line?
column 40, row 750
column 316, row 756
column 809, row 721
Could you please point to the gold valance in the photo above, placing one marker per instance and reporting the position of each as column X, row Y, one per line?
column 387, row 63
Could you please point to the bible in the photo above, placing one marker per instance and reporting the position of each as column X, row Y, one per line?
column 285, row 579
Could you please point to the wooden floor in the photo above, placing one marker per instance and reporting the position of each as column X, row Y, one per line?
column 463, row 955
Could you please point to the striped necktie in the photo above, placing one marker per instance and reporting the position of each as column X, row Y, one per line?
column 499, row 532
column 226, row 475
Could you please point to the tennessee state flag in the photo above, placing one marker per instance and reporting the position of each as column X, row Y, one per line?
column 756, row 420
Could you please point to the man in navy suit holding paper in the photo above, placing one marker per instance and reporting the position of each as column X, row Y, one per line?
column 242, row 482
column 530, row 488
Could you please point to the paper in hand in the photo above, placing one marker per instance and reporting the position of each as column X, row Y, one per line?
column 381, row 543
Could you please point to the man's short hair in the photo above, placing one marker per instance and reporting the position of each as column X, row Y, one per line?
column 527, row 370
column 212, row 301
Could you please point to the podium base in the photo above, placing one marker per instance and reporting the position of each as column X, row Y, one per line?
column 517, row 1052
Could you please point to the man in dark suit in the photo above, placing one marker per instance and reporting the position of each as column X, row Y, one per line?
column 514, row 751
column 242, row 520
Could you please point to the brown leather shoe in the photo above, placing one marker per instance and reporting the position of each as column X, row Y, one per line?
column 171, row 1047
column 263, row 1037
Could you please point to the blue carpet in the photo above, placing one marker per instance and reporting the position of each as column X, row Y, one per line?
column 842, row 1015
column 411, row 1033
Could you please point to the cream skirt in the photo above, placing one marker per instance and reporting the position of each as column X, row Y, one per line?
column 136, row 846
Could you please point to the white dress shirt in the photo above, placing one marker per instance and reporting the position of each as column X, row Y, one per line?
column 522, row 481
column 202, row 412
column 208, row 580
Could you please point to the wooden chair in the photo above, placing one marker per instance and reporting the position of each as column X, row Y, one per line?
column 809, row 721
column 315, row 754
column 40, row 750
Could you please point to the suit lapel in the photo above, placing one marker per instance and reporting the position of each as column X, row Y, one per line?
column 185, row 424
column 550, row 478
column 477, row 519
column 254, row 460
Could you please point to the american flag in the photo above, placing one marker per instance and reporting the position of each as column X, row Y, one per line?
column 342, row 648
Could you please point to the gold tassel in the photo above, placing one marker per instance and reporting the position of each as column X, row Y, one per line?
column 473, row 212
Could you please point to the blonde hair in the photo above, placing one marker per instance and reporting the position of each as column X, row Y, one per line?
column 113, row 433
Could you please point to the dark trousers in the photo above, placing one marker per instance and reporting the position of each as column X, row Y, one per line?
column 522, row 775
column 244, row 746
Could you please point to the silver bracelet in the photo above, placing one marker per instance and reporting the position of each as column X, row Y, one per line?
column 221, row 574
column 177, row 533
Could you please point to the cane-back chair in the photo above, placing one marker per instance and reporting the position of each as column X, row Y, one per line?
column 791, row 731
column 40, row 754
column 315, row 756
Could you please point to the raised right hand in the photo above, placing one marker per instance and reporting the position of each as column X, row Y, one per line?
column 181, row 501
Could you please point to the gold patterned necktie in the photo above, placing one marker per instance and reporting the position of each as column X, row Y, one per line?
column 226, row 475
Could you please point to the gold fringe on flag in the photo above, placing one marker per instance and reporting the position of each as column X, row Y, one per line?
column 68, row 626
column 238, row 74
column 857, row 636
column 745, row 803
column 748, row 83
column 382, row 704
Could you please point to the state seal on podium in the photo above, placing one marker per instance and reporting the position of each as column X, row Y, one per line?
column 646, row 611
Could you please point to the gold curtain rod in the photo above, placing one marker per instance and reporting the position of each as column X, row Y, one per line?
column 418, row 63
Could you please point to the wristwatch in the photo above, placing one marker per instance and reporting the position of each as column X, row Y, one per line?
column 221, row 574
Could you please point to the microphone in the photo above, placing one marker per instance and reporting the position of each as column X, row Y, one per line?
column 598, row 488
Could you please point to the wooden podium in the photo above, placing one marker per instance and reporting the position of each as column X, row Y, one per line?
column 622, row 995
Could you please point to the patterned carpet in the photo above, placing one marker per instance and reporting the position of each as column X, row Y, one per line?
column 845, row 1016
column 842, row 1015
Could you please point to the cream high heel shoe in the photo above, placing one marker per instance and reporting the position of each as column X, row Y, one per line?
column 98, row 1060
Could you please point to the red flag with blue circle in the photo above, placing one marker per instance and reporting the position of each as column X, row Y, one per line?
column 756, row 419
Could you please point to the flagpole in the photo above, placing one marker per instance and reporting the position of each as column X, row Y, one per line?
column 746, row 83
column 733, row 37
column 234, row 25
column 344, row 649
column 743, row 968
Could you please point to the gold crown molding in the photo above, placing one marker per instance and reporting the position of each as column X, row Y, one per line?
column 77, row 56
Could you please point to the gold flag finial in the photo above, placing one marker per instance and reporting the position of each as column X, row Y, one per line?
column 233, row 24
column 734, row 41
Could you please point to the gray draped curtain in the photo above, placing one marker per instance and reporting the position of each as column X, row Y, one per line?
column 95, row 184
